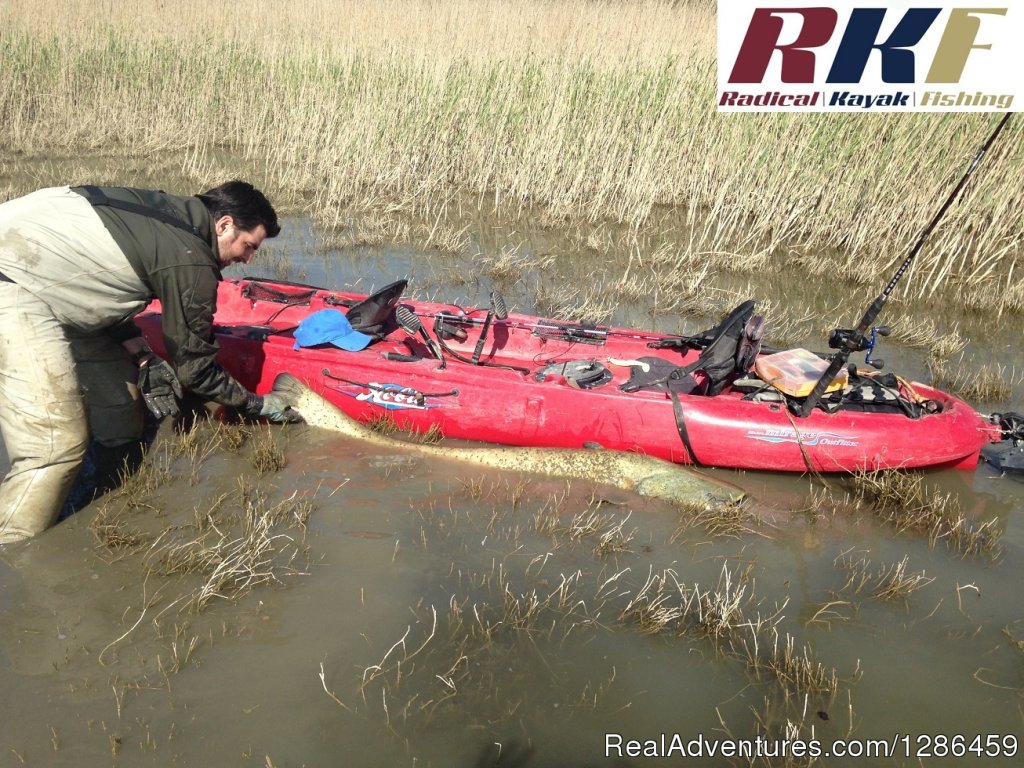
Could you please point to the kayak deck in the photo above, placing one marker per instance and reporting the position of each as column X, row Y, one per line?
column 529, row 401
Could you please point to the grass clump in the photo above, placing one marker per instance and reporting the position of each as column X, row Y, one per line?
column 230, row 555
column 114, row 533
column 731, row 520
column 887, row 582
column 267, row 456
column 903, row 500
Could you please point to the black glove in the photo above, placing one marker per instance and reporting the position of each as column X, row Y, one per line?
column 159, row 386
column 274, row 406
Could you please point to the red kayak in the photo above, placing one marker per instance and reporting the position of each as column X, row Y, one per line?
column 489, row 375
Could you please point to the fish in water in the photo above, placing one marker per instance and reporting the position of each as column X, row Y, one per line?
column 644, row 475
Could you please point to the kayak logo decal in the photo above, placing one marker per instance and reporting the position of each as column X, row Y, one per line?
column 777, row 436
column 392, row 397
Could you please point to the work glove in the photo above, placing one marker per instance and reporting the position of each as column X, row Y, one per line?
column 159, row 386
column 274, row 406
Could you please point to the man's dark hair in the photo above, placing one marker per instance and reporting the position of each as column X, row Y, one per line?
column 244, row 203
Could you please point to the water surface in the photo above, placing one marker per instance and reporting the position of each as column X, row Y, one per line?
column 428, row 618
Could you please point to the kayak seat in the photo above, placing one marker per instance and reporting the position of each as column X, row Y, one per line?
column 729, row 350
column 375, row 315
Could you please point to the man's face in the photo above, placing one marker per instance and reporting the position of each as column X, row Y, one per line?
column 237, row 245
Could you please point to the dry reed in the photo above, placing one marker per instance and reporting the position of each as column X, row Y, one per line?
column 591, row 111
column 986, row 383
column 887, row 582
column 903, row 500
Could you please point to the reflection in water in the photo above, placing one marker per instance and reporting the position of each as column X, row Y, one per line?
column 430, row 615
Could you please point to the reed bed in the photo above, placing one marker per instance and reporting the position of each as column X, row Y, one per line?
column 904, row 500
column 574, row 110
column 440, row 666
column 987, row 383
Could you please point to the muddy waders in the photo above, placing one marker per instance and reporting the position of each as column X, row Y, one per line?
column 42, row 416
column 61, row 375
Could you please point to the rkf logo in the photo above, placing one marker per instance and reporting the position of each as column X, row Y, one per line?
column 913, row 56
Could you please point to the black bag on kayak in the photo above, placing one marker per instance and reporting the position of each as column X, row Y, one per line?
column 875, row 393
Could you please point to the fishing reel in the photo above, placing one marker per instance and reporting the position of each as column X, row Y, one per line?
column 848, row 338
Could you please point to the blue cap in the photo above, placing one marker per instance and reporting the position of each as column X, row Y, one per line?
column 329, row 326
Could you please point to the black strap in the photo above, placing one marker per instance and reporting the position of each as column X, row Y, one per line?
column 677, row 411
column 439, row 320
column 97, row 197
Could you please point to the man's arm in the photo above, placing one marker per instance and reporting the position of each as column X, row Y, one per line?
column 188, row 296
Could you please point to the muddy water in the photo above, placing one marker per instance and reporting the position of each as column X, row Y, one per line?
column 435, row 615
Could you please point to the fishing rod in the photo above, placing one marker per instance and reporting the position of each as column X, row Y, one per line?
column 849, row 341
column 585, row 333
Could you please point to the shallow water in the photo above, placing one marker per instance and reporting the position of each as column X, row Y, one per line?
column 536, row 662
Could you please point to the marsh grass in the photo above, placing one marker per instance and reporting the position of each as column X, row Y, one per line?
column 665, row 604
column 137, row 488
column 732, row 520
column 233, row 436
column 536, row 600
column 825, row 503
column 903, row 500
column 511, row 262
column 440, row 666
column 786, row 324
column 374, row 230
column 798, row 671
column 267, row 456
column 985, row 383
column 589, row 305
column 780, row 721
column 230, row 543
column 729, row 615
column 235, row 552
column 1009, row 632
column 580, row 111
column 384, row 424
column 924, row 333
column 886, row 582
column 114, row 533
column 432, row 436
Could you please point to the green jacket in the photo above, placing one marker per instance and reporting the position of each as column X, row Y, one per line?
column 181, row 269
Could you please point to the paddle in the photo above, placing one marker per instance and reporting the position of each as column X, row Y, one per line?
column 854, row 341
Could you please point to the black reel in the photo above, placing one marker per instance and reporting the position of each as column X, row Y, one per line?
column 848, row 338
column 446, row 326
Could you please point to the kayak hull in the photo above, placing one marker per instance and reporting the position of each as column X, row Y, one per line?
column 532, row 407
